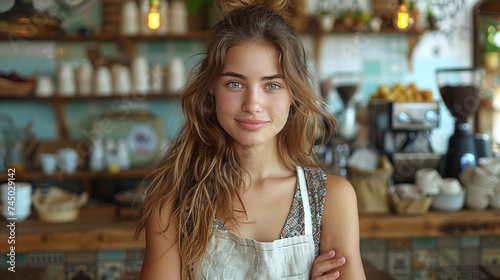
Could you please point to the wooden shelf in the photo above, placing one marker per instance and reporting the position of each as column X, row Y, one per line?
column 110, row 37
column 79, row 175
column 99, row 227
column 92, row 97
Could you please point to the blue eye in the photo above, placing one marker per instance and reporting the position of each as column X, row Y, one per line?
column 273, row 86
column 234, row 85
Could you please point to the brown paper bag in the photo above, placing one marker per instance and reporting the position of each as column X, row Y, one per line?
column 372, row 187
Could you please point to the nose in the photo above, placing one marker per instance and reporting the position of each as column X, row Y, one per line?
column 252, row 102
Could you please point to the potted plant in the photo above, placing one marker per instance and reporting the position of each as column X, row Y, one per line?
column 431, row 18
column 326, row 20
column 491, row 56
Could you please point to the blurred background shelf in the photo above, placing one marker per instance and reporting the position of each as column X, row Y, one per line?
column 79, row 175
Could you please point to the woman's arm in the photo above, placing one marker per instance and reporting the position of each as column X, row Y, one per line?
column 340, row 227
column 161, row 257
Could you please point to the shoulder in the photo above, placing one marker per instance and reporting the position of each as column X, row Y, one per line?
column 339, row 188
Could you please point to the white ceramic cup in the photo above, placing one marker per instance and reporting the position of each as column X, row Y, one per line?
column 16, row 201
column 66, row 80
column 175, row 75
column 103, row 81
column 451, row 186
column 482, row 178
column 495, row 201
column 84, row 78
column 428, row 180
column 477, row 201
column 140, row 75
column 44, row 87
column 491, row 165
column 156, row 78
column 67, row 160
column 408, row 191
column 49, row 163
column 122, row 82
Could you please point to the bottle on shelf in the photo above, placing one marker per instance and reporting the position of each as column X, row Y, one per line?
column 123, row 154
column 97, row 157
column 178, row 17
column 130, row 19
column 164, row 28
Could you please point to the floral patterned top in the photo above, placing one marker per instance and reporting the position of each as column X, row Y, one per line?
column 294, row 226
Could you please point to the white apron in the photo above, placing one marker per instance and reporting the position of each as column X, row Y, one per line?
column 229, row 256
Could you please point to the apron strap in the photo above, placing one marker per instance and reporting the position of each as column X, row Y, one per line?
column 305, row 200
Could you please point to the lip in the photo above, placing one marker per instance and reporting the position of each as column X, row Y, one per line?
column 251, row 124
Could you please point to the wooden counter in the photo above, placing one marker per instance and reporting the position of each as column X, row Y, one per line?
column 99, row 228
column 432, row 224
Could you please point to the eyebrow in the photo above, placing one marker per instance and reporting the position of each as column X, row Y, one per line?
column 237, row 75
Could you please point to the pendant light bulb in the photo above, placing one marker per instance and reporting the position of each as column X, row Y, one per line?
column 154, row 15
column 403, row 20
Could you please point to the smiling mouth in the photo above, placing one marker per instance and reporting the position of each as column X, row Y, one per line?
column 250, row 124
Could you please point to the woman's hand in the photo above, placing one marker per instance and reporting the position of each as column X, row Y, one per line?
column 324, row 266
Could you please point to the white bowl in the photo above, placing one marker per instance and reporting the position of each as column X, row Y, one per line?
column 449, row 202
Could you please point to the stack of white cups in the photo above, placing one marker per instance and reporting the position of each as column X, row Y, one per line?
column 482, row 184
column 16, row 201
column 448, row 192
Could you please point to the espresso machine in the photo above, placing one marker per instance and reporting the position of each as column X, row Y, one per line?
column 460, row 92
column 401, row 131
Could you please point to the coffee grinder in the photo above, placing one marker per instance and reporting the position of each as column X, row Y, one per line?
column 460, row 92
column 346, row 85
column 401, row 130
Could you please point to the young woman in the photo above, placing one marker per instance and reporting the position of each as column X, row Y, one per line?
column 238, row 195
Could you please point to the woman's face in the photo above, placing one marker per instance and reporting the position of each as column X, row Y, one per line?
column 251, row 96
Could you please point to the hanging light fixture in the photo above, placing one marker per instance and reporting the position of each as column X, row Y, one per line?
column 154, row 15
column 403, row 20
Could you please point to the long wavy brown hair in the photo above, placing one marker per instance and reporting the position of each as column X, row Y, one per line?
column 200, row 174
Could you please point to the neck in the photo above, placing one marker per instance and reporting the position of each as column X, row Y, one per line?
column 261, row 162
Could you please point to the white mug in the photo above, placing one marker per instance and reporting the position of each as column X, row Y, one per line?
column 66, row 80
column 140, row 75
column 103, row 82
column 176, row 75
column 156, row 78
column 428, row 180
column 49, row 163
column 482, row 178
column 121, row 79
column 44, row 87
column 84, row 76
column 67, row 160
column 491, row 165
column 451, row 186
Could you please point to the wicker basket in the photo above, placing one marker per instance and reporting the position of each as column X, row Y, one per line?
column 10, row 88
